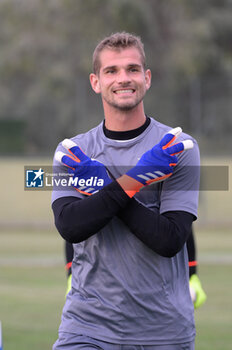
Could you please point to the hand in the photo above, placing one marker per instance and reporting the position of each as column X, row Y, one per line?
column 197, row 293
column 89, row 176
column 155, row 165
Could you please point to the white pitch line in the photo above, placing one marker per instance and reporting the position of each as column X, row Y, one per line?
column 48, row 261
column 212, row 259
column 32, row 261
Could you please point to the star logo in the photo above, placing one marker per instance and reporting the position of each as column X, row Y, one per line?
column 38, row 174
column 34, row 178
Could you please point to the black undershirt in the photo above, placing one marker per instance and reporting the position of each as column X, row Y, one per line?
column 192, row 254
column 78, row 219
column 126, row 135
column 190, row 247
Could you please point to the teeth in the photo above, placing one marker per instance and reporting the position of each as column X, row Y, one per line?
column 123, row 91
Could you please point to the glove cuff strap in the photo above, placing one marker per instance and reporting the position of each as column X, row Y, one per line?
column 129, row 185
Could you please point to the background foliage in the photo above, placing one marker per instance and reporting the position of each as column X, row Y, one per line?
column 46, row 52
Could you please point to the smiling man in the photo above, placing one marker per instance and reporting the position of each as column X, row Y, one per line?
column 122, row 81
column 130, row 283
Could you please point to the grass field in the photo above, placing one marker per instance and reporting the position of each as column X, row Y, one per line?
column 32, row 275
column 33, row 285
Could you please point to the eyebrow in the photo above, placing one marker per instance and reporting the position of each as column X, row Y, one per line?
column 135, row 65
column 131, row 65
column 109, row 67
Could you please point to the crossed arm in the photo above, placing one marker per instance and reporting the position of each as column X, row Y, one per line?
column 77, row 220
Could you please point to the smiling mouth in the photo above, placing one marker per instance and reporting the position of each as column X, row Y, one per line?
column 124, row 91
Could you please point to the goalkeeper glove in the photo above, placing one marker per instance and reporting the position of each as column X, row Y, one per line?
column 197, row 293
column 91, row 174
column 69, row 284
column 155, row 165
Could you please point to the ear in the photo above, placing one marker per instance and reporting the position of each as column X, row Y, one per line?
column 148, row 78
column 94, row 81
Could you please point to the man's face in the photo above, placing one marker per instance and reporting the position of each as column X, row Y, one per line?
column 122, row 81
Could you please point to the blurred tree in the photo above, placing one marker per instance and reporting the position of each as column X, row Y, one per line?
column 46, row 52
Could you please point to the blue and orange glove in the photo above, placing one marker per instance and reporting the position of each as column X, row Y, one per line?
column 155, row 165
column 90, row 175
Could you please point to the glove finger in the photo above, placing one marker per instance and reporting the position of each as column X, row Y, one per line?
column 75, row 150
column 170, row 137
column 66, row 159
column 179, row 147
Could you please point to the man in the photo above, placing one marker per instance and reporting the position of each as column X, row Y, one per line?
column 130, row 286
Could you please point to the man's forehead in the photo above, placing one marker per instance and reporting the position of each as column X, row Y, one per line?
column 114, row 57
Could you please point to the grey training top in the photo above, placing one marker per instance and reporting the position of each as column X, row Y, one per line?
column 123, row 292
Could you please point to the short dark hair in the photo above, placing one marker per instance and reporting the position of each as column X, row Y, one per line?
column 117, row 41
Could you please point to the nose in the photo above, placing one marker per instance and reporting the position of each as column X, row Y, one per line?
column 123, row 77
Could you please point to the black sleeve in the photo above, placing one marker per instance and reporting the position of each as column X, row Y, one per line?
column 76, row 220
column 192, row 254
column 68, row 257
column 164, row 233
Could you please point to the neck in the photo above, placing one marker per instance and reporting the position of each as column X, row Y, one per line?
column 117, row 120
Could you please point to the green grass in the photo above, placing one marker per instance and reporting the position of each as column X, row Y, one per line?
column 32, row 288
column 214, row 319
column 33, row 285
column 22, row 208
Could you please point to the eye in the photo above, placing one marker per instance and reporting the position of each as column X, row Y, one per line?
column 134, row 69
column 110, row 71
